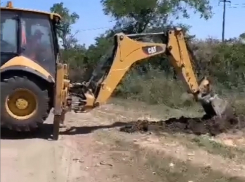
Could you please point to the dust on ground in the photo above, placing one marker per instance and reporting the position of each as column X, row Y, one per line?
column 92, row 148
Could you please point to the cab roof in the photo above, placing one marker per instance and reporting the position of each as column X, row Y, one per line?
column 10, row 8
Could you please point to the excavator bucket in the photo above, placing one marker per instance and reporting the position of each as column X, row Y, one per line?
column 215, row 106
column 220, row 106
column 212, row 104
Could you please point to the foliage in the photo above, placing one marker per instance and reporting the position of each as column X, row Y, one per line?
column 138, row 15
column 68, row 19
column 154, row 80
column 102, row 44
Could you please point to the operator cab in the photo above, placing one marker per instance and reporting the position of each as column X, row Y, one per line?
column 31, row 34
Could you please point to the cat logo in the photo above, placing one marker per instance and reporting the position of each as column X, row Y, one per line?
column 152, row 50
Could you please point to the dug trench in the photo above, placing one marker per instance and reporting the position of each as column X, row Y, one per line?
column 198, row 126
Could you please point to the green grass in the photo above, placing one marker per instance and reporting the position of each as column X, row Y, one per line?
column 154, row 88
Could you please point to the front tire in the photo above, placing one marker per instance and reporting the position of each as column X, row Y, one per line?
column 24, row 104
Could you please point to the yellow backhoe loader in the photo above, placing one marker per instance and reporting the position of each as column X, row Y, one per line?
column 34, row 80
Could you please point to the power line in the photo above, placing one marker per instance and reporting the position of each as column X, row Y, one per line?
column 240, row 6
column 235, row 5
column 92, row 29
column 231, row 5
column 97, row 28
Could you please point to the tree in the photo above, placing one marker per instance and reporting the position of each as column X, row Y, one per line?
column 68, row 19
column 98, row 49
column 242, row 36
column 139, row 15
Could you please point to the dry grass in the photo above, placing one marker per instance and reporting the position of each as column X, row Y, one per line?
column 165, row 168
column 171, row 170
column 211, row 146
column 219, row 149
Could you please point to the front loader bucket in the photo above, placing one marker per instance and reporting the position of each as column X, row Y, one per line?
column 215, row 106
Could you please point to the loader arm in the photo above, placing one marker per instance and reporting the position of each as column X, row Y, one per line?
column 127, row 51
column 130, row 51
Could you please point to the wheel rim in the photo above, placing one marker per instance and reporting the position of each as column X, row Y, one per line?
column 22, row 104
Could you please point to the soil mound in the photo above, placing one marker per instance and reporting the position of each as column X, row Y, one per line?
column 198, row 126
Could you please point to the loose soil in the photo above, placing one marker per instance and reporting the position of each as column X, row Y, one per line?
column 197, row 126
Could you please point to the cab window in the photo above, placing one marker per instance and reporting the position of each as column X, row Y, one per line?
column 8, row 32
column 37, row 38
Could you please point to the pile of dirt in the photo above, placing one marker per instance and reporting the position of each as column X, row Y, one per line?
column 198, row 126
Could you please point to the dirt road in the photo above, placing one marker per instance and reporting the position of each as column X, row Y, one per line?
column 34, row 159
column 92, row 149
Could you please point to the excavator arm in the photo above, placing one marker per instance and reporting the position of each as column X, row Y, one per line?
column 126, row 51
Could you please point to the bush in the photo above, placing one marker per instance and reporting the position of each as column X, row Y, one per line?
column 155, row 87
column 224, row 63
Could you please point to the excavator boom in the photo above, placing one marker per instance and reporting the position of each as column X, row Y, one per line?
column 127, row 50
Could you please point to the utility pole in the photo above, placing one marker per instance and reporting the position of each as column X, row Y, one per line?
column 224, row 17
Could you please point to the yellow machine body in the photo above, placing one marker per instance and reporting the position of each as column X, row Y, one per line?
column 33, row 80
column 21, row 63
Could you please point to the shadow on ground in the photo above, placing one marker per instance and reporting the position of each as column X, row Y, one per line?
column 195, row 126
column 44, row 132
column 89, row 129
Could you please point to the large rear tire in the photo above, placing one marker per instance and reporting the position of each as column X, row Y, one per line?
column 24, row 104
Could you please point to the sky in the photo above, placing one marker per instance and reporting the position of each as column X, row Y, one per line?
column 93, row 22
